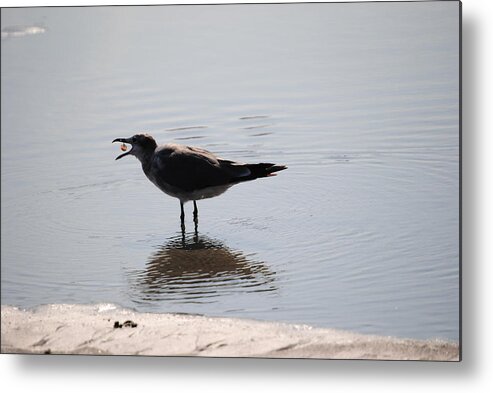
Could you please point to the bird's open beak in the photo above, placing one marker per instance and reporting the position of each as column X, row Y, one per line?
column 122, row 140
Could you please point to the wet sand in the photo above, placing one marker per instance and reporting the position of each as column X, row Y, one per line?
column 101, row 330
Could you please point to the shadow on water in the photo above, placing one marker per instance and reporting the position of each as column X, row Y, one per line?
column 194, row 268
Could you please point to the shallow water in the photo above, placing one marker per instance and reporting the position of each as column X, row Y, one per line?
column 360, row 101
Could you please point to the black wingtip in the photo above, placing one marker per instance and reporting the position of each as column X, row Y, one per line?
column 276, row 168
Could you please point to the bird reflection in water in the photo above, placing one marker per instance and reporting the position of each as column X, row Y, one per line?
column 193, row 268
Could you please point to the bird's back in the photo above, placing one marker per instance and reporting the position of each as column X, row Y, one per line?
column 190, row 168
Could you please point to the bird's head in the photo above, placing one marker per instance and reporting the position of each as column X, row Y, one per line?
column 142, row 146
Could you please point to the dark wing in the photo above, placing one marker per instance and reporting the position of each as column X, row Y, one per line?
column 191, row 168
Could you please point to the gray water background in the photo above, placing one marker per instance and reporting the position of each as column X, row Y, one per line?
column 360, row 101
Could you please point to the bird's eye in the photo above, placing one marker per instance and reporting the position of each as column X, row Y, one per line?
column 134, row 139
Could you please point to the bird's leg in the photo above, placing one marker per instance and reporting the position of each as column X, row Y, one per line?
column 182, row 215
column 195, row 212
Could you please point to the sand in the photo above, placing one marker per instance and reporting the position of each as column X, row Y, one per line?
column 90, row 329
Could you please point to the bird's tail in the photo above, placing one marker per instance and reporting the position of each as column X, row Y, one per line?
column 261, row 170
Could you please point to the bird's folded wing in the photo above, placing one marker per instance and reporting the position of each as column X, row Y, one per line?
column 193, row 169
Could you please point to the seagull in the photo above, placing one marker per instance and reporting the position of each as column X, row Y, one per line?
column 191, row 173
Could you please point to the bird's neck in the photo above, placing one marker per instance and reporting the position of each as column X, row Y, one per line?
column 145, row 160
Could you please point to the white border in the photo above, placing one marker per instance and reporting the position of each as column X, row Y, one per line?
column 17, row 3
column 83, row 374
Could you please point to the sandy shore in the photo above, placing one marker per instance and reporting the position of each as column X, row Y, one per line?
column 81, row 329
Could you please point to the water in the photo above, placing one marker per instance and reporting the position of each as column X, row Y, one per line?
column 360, row 101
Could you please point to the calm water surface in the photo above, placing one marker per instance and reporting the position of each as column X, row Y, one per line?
column 360, row 101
